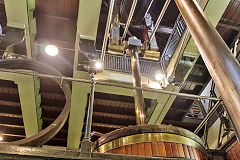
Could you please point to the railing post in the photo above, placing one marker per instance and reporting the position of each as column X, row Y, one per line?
column 86, row 143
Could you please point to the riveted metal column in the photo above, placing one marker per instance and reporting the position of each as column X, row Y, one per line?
column 222, row 65
column 138, row 94
column 86, row 29
column 20, row 16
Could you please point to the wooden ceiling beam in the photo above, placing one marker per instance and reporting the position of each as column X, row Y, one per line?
column 230, row 25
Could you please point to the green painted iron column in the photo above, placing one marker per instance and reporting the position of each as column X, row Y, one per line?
column 20, row 15
column 87, row 24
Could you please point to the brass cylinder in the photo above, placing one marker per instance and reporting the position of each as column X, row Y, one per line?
column 222, row 65
column 138, row 94
column 153, row 141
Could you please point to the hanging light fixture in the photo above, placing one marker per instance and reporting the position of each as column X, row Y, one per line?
column 51, row 50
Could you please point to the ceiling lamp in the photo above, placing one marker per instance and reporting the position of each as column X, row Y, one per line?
column 98, row 65
column 155, row 85
column 159, row 76
column 51, row 50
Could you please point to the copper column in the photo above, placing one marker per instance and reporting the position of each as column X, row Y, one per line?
column 222, row 65
column 138, row 94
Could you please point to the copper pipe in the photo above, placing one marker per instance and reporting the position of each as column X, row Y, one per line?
column 222, row 65
column 138, row 94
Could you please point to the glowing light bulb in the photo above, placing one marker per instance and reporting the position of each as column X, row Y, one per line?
column 98, row 65
column 1, row 138
column 155, row 85
column 159, row 76
column 51, row 50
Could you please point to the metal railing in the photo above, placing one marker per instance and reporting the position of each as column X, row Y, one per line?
column 173, row 41
column 122, row 63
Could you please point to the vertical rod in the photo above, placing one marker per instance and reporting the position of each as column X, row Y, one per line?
column 138, row 94
column 205, row 135
column 149, row 6
column 219, row 135
column 108, row 25
column 159, row 19
column 209, row 114
column 222, row 65
column 90, row 109
column 129, row 19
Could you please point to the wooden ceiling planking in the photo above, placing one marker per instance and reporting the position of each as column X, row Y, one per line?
column 170, row 15
column 12, row 129
column 11, row 119
column 55, row 28
column 59, row 8
column 236, row 12
column 113, row 103
column 56, row 22
column 231, row 9
column 62, row 62
column 102, row 122
column 3, row 19
column 8, row 109
column 229, row 36
column 55, row 96
column 50, row 87
column 231, row 15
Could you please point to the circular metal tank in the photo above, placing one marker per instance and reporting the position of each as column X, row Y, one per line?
column 152, row 140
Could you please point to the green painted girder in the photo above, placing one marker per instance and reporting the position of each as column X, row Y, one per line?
column 20, row 15
column 30, row 99
column 213, row 9
column 87, row 24
column 30, row 104
column 79, row 101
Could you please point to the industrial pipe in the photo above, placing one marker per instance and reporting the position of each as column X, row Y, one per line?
column 159, row 19
column 222, row 65
column 63, row 78
column 106, row 35
column 138, row 94
column 129, row 18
